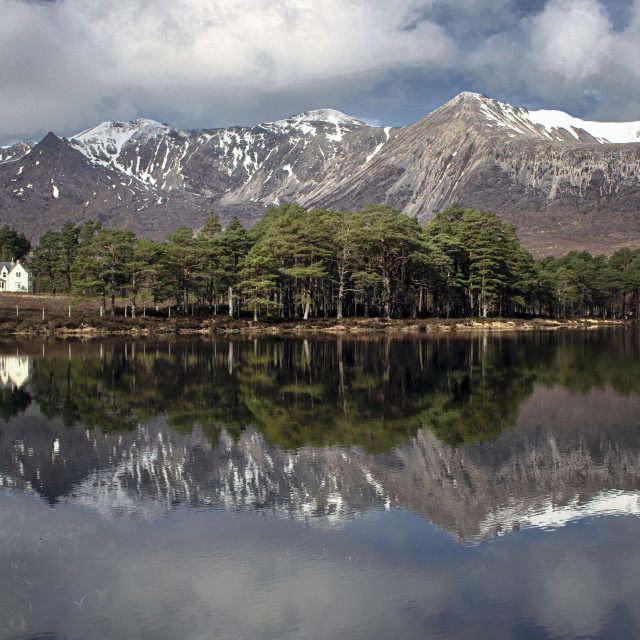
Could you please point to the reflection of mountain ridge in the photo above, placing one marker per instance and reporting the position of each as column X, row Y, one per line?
column 540, row 473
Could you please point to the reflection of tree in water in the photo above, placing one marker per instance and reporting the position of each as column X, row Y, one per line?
column 372, row 393
column 13, row 401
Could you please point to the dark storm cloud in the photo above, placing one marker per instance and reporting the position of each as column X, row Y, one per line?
column 68, row 64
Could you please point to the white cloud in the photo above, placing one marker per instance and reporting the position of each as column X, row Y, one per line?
column 113, row 51
column 572, row 38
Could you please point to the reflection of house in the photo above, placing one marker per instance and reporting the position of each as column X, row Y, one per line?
column 13, row 277
column 14, row 370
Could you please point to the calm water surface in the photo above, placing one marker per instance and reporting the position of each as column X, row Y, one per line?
column 451, row 487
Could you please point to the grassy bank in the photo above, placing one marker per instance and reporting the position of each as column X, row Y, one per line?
column 29, row 314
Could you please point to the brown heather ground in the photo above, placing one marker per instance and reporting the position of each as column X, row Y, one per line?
column 85, row 321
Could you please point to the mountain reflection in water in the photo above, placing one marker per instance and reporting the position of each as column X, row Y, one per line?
column 479, row 435
column 482, row 487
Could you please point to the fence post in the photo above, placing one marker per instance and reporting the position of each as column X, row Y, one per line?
column 43, row 313
column 17, row 311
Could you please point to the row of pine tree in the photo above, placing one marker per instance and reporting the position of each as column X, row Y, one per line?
column 376, row 261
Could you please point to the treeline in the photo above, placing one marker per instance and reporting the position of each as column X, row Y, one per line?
column 377, row 261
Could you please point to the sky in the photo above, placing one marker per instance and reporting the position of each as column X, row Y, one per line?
column 66, row 65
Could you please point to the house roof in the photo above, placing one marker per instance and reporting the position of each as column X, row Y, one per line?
column 11, row 267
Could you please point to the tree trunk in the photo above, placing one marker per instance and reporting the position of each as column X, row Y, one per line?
column 386, row 279
column 231, row 302
column 340, row 293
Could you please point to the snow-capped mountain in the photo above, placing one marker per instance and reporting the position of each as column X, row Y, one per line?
column 563, row 182
column 15, row 152
column 262, row 164
column 555, row 125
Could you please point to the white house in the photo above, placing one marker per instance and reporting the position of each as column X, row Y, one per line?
column 14, row 277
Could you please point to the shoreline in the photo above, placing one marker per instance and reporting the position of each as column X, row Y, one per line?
column 185, row 326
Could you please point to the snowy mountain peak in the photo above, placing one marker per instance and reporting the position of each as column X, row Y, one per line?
column 15, row 152
column 330, row 116
column 116, row 134
column 554, row 125
column 104, row 143
column 329, row 122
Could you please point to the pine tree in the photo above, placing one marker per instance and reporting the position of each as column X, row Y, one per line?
column 235, row 244
column 390, row 238
column 345, row 237
column 45, row 262
column 183, row 259
column 13, row 246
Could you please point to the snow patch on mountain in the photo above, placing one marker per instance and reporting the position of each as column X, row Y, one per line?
column 15, row 152
column 612, row 132
column 330, row 116
column 375, row 151
column 111, row 137
column 551, row 124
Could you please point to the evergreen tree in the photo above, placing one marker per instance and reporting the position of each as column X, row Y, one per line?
column 345, row 238
column 69, row 244
column 390, row 239
column 209, row 248
column 102, row 266
column 183, row 260
column 13, row 246
column 234, row 245
column 45, row 262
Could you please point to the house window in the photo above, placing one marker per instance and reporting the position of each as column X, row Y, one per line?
column 18, row 274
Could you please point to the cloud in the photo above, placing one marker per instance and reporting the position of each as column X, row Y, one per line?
column 130, row 53
column 69, row 64
column 572, row 37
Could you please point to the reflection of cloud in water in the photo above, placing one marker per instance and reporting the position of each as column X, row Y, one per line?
column 240, row 575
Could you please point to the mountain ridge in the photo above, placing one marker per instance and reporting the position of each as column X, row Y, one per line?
column 560, row 180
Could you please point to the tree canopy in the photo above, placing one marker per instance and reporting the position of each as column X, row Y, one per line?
column 299, row 263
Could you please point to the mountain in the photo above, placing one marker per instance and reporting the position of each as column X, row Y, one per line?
column 563, row 182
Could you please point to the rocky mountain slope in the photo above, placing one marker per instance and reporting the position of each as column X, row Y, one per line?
column 562, row 182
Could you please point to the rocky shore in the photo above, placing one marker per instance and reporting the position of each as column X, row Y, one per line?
column 35, row 315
